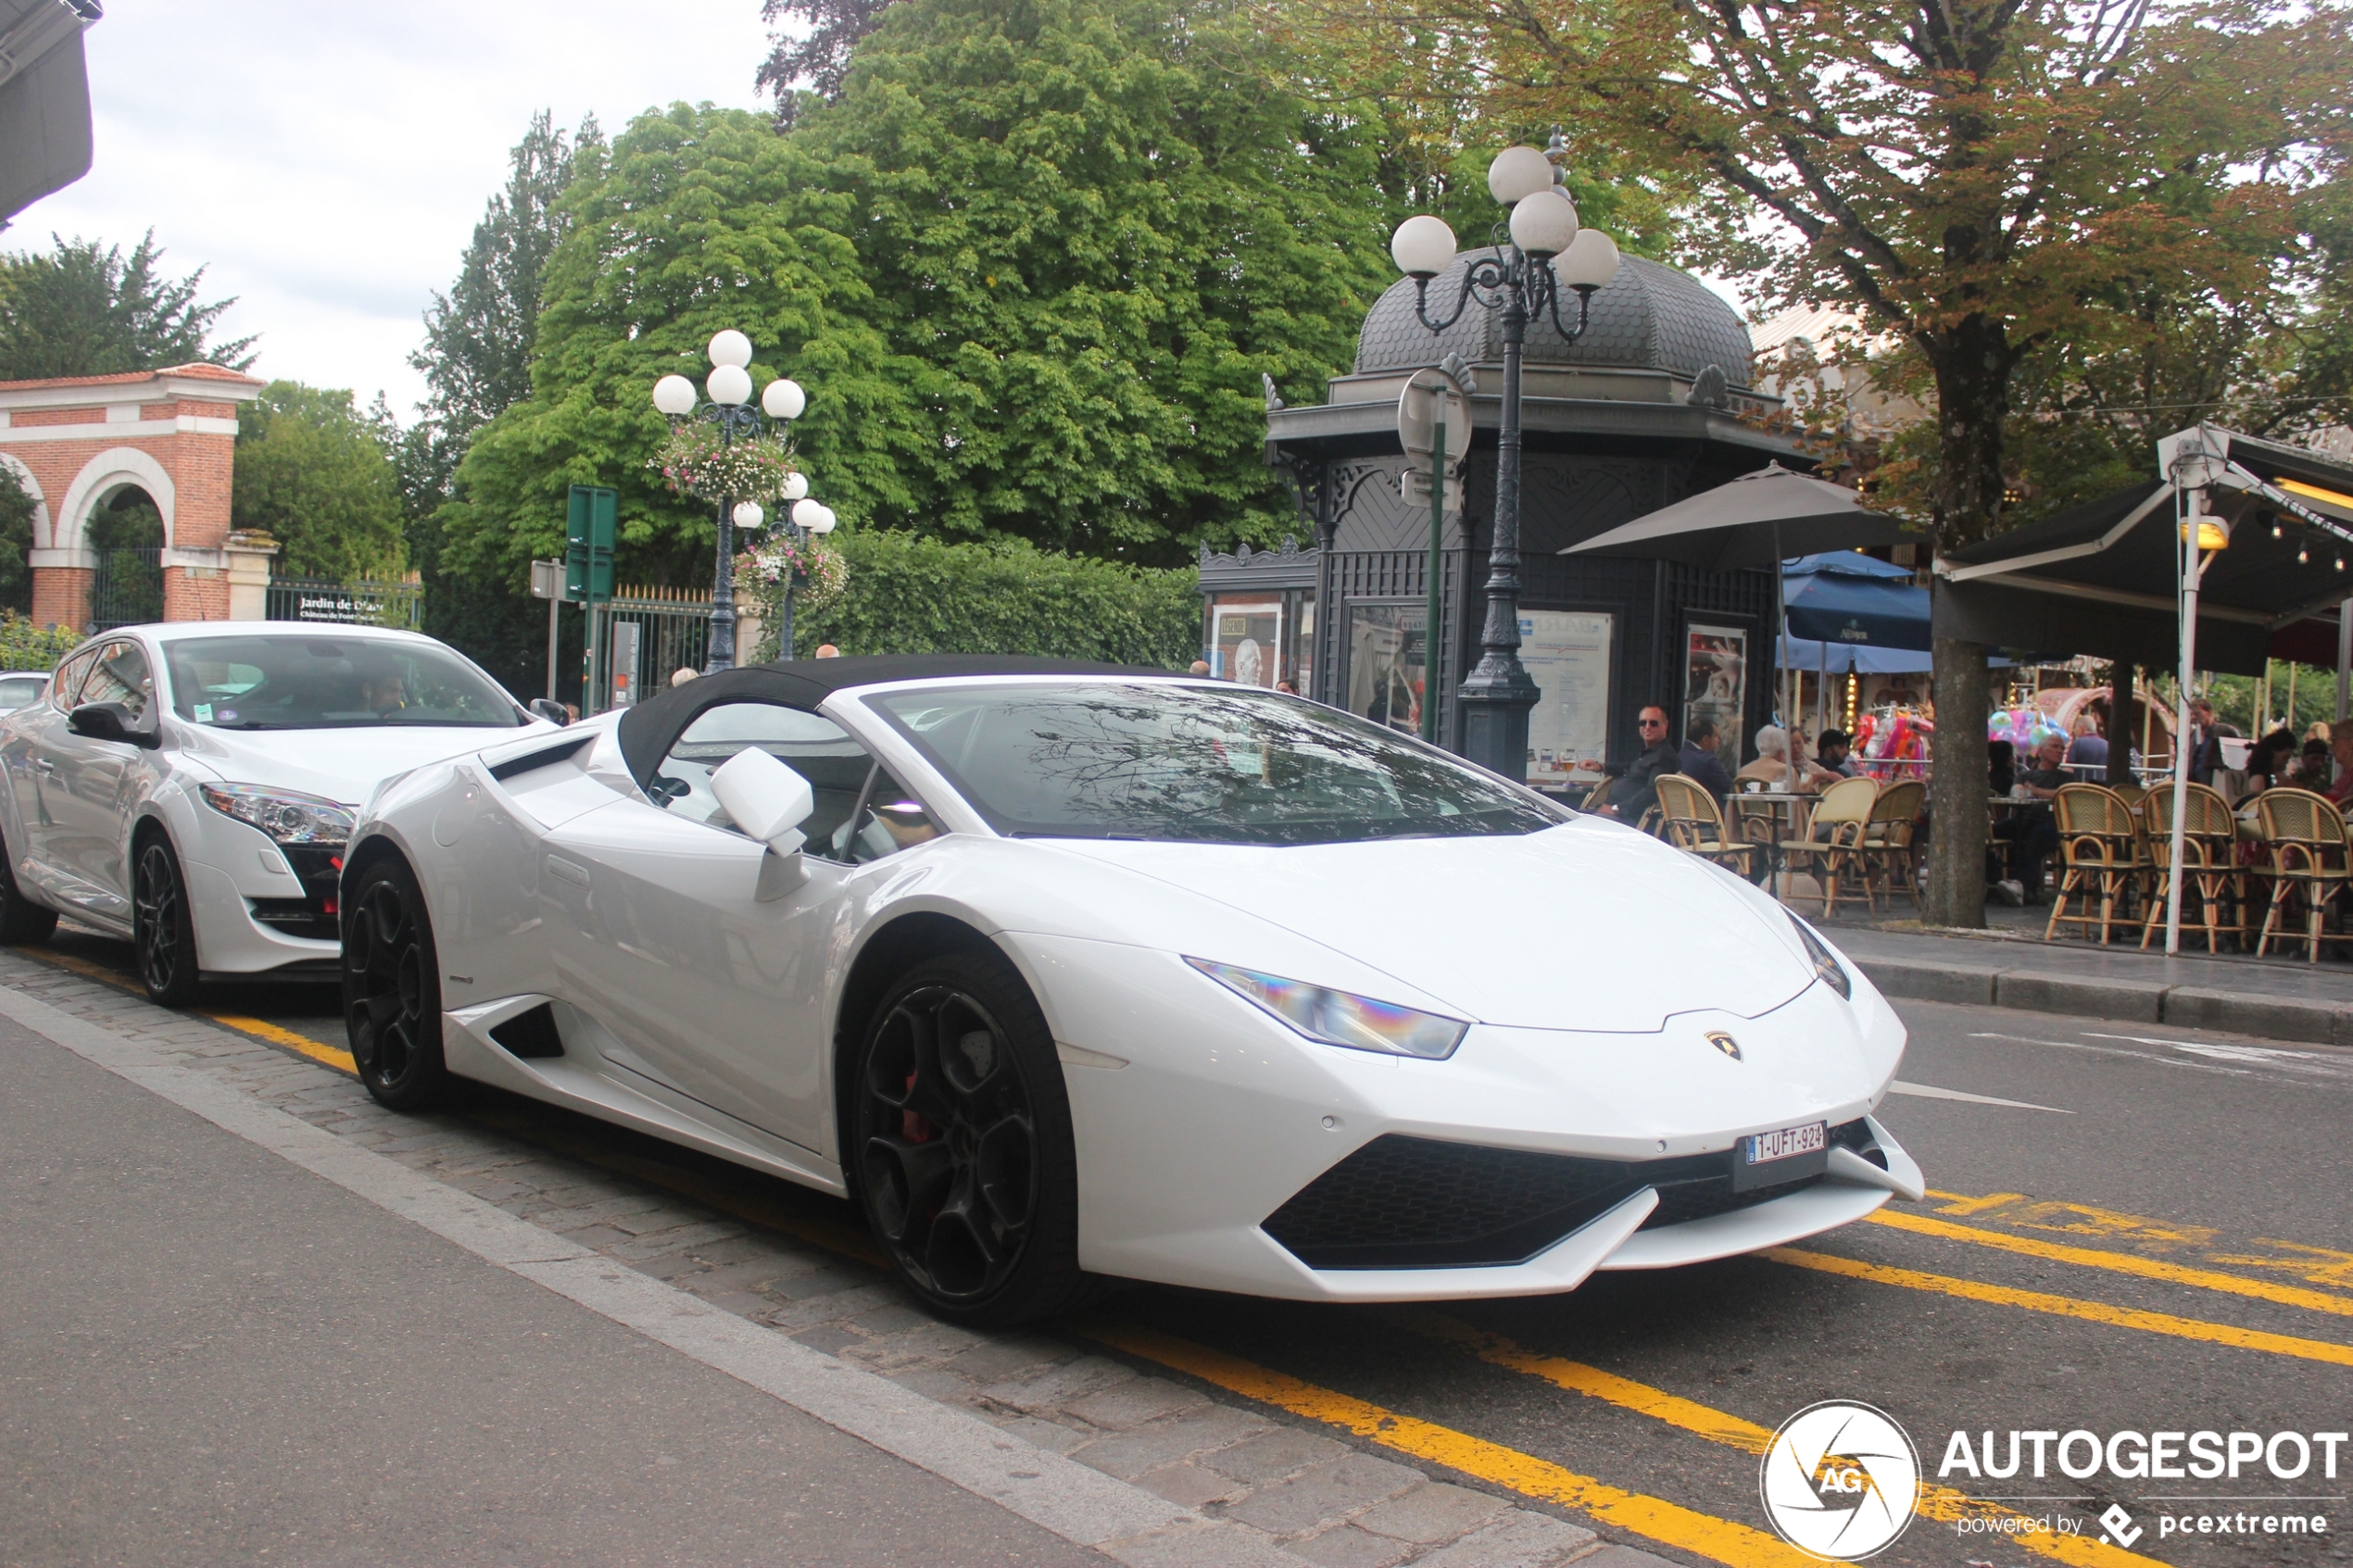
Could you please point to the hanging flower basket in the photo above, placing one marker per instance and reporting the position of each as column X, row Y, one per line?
column 694, row 461
column 816, row 573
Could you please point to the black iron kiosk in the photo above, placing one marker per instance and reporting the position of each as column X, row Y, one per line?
column 1653, row 404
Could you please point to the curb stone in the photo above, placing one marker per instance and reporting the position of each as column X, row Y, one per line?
column 2139, row 1001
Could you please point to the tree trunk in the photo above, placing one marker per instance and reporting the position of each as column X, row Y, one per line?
column 1957, row 786
column 1972, row 362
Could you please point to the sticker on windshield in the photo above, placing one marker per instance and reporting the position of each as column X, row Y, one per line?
column 228, row 715
column 204, row 713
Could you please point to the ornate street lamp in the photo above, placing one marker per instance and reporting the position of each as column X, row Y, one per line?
column 1536, row 252
column 805, row 521
column 731, row 411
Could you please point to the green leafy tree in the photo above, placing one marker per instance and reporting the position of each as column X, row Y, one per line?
column 16, row 538
column 314, row 472
column 81, row 309
column 1031, row 267
column 801, row 65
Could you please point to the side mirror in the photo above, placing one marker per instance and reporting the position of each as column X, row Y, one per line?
column 548, row 708
column 110, row 721
column 768, row 802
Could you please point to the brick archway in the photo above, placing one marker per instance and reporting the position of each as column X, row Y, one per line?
column 78, row 440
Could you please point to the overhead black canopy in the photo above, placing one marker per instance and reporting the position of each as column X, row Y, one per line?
column 2101, row 578
column 647, row 731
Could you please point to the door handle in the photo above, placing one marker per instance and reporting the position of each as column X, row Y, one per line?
column 566, row 871
column 43, row 765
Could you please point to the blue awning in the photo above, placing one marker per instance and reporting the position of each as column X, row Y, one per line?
column 1845, row 597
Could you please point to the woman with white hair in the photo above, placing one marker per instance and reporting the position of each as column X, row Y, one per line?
column 1772, row 764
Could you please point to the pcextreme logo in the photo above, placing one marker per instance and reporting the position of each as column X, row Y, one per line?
column 1840, row 1480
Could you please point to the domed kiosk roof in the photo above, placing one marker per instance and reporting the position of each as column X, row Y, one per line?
column 1650, row 317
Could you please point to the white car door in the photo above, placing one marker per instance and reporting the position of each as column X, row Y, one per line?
column 33, row 763
column 661, row 930
column 94, row 785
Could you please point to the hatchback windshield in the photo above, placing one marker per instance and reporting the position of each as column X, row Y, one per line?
column 330, row 682
column 1201, row 764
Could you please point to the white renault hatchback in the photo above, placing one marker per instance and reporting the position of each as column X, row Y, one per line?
column 190, row 786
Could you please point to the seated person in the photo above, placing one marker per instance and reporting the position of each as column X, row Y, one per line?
column 1835, row 752
column 2341, row 753
column 1772, row 765
column 1700, row 764
column 2315, row 769
column 2033, row 833
column 2266, row 764
column 2001, row 758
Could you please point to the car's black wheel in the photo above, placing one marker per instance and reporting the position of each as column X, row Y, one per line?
column 22, row 922
column 163, row 932
column 392, row 989
column 961, row 1144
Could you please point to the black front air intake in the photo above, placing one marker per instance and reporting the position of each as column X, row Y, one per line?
column 1418, row 1203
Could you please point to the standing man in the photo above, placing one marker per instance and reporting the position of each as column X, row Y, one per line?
column 1636, row 790
column 1699, row 763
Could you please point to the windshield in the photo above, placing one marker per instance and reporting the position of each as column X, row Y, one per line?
column 330, row 682
column 1155, row 760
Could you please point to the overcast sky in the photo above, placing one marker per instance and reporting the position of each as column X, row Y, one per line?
column 327, row 161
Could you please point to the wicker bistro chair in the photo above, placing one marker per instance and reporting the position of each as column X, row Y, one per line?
column 2100, row 845
column 1887, row 838
column 1835, row 840
column 2209, row 862
column 2306, row 837
column 1694, row 822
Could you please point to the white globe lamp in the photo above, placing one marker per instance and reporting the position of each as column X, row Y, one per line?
column 731, row 348
column 783, row 400
column 748, row 515
column 824, row 524
column 796, row 486
column 1545, row 223
column 1518, row 173
column 1422, row 247
column 1589, row 262
column 674, row 396
column 805, row 514
column 730, row 384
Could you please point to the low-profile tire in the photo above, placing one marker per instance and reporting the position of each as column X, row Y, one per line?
column 392, row 989
column 163, row 929
column 960, row 1145
column 22, row 922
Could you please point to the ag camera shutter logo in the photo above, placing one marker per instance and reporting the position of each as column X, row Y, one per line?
column 1839, row 1481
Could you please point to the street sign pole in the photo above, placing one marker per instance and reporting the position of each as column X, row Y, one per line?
column 547, row 583
column 591, row 520
column 1432, row 618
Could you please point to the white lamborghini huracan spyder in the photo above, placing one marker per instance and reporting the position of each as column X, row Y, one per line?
column 1065, row 972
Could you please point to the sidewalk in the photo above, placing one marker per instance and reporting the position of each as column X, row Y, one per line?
column 2009, row 965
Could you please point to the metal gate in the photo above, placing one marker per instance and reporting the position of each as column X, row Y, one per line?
column 674, row 633
column 397, row 605
column 127, row 589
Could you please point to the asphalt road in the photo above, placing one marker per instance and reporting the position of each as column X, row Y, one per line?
column 2152, row 1235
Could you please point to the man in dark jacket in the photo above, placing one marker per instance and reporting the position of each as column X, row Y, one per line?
column 1699, row 763
column 1636, row 790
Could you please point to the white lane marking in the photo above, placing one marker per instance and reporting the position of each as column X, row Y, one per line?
column 1930, row 1091
column 2111, row 1050
column 1085, row 1507
column 2317, row 1065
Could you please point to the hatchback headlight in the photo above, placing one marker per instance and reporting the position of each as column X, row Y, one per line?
column 1826, row 965
column 1335, row 1018
column 287, row 816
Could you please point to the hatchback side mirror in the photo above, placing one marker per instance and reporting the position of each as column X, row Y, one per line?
column 548, row 708
column 110, row 720
column 768, row 802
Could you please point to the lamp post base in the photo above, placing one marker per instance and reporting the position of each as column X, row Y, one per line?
column 1495, row 708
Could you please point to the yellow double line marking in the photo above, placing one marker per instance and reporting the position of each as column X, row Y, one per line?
column 1941, row 1504
column 1670, row 1523
column 2069, row 1307
column 2120, row 1262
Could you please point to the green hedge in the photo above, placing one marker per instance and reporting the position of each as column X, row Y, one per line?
column 908, row 594
column 24, row 645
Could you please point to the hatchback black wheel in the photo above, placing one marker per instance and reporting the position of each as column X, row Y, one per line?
column 962, row 1145
column 22, row 922
column 392, row 990
column 163, row 933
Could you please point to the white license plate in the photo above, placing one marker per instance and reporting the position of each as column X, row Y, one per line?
column 1763, row 1148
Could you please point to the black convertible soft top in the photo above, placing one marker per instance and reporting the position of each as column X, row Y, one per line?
column 647, row 731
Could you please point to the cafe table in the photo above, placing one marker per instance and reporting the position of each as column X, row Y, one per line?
column 1788, row 822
